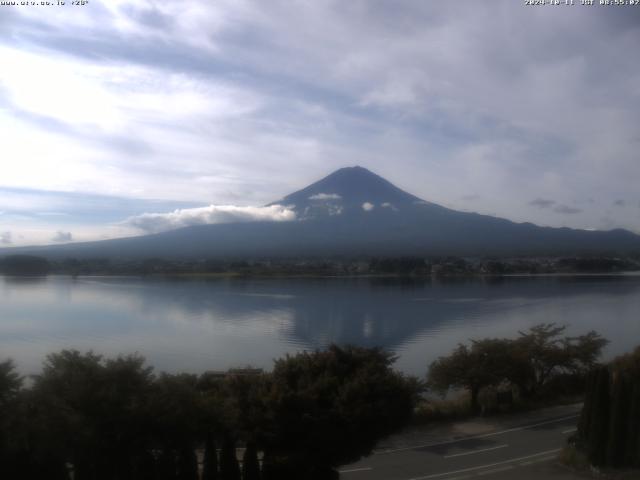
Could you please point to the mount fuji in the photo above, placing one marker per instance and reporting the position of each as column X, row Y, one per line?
column 354, row 212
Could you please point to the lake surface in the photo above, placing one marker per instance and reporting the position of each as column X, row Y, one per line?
column 195, row 325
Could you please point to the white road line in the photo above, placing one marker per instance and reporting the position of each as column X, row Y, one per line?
column 571, row 430
column 353, row 470
column 496, row 470
column 475, row 451
column 538, row 460
column 481, row 467
column 473, row 437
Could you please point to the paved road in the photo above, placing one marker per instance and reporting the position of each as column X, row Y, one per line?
column 516, row 450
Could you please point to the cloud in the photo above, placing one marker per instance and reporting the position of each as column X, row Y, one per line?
column 367, row 207
column 220, row 95
column 542, row 203
column 325, row 196
column 566, row 210
column 5, row 238
column 160, row 222
column 61, row 237
column 619, row 203
column 470, row 198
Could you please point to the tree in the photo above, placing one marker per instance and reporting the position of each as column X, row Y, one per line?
column 24, row 265
column 618, row 418
column 608, row 428
column 484, row 363
column 10, row 385
column 597, row 424
column 187, row 464
column 328, row 408
column 540, row 353
column 95, row 411
column 229, row 468
column 528, row 362
column 210, row 461
column 250, row 464
column 10, row 382
column 177, row 423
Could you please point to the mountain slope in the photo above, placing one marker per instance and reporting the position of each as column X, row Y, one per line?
column 355, row 212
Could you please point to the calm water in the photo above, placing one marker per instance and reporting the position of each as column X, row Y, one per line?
column 194, row 325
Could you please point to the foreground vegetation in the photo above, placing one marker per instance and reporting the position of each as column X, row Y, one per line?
column 540, row 364
column 111, row 419
column 89, row 417
column 609, row 429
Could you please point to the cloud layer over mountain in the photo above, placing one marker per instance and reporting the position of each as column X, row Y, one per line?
column 160, row 222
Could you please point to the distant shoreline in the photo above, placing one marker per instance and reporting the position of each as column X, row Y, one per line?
column 343, row 267
column 236, row 275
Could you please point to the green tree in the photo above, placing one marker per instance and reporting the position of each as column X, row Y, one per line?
column 187, row 464
column 229, row 467
column 96, row 410
column 250, row 464
column 541, row 352
column 485, row 363
column 10, row 382
column 210, row 461
column 608, row 427
column 328, row 408
column 176, row 429
column 618, row 418
column 11, row 465
column 24, row 265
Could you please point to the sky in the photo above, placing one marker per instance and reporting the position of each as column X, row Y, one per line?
column 116, row 112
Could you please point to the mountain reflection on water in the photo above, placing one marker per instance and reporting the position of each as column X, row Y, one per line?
column 197, row 324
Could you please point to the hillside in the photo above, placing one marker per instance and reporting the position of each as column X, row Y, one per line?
column 354, row 212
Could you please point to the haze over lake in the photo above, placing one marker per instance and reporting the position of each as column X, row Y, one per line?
column 194, row 325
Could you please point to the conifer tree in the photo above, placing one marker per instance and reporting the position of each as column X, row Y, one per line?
column 167, row 465
column 620, row 398
column 210, row 463
column 632, row 450
column 250, row 464
column 599, row 423
column 229, row 468
column 187, row 464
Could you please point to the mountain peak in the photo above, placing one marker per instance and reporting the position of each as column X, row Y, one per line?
column 349, row 188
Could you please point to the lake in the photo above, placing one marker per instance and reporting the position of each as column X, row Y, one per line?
column 193, row 325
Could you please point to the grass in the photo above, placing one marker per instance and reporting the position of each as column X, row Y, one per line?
column 575, row 459
column 458, row 407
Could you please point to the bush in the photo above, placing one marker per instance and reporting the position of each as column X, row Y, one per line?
column 608, row 428
column 539, row 363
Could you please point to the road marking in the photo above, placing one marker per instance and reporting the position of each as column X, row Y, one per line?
column 538, row 460
column 571, row 430
column 496, row 470
column 481, row 467
column 473, row 437
column 475, row 451
column 353, row 470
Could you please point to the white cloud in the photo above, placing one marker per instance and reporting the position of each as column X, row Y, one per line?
column 204, row 101
column 160, row 222
column 367, row 207
column 325, row 196
column 62, row 237
column 6, row 238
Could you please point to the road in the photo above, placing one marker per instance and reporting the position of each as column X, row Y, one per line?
column 524, row 447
